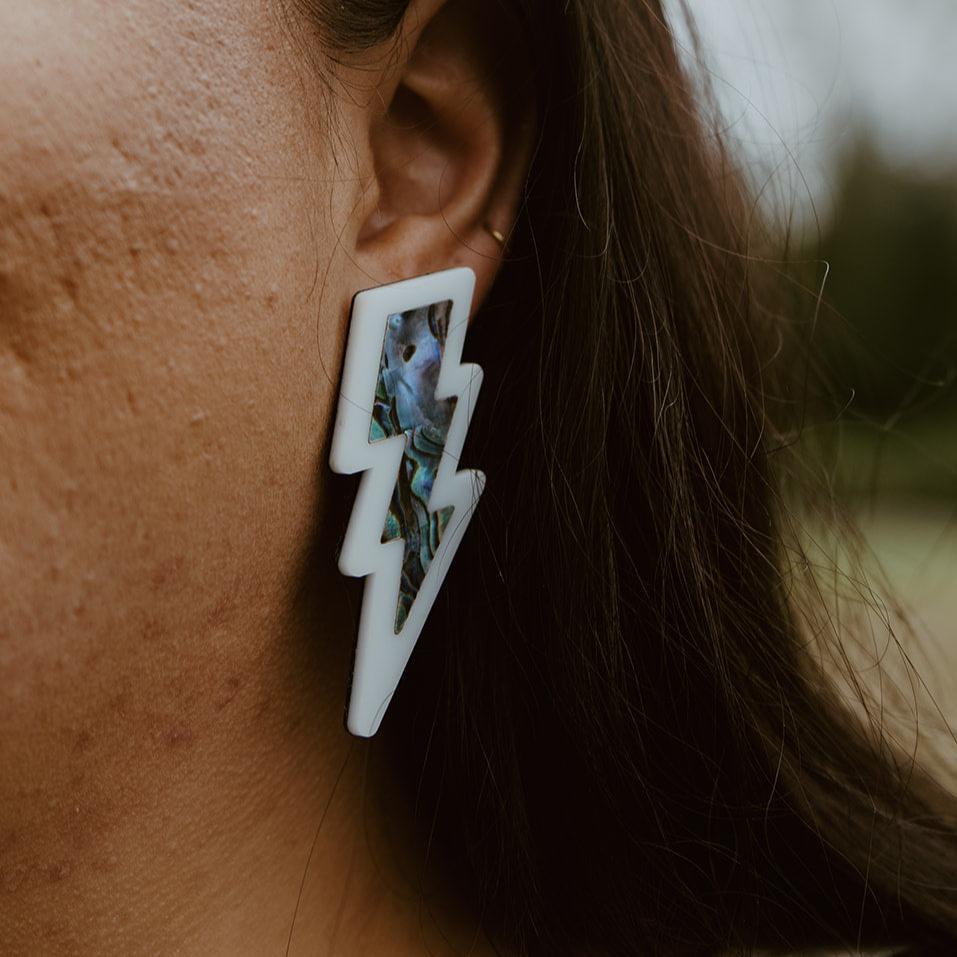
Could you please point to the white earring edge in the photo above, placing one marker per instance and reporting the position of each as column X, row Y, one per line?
column 381, row 654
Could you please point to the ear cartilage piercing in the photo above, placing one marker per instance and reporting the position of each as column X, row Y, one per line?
column 498, row 236
column 405, row 406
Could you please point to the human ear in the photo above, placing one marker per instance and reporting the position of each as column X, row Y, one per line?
column 450, row 135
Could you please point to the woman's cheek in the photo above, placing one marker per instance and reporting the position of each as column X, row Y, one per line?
column 162, row 398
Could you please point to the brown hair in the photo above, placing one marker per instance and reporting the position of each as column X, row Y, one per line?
column 620, row 733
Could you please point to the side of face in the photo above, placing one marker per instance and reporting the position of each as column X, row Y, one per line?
column 184, row 219
column 171, row 321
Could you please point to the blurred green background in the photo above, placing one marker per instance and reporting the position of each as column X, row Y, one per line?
column 843, row 115
column 886, row 334
column 886, row 338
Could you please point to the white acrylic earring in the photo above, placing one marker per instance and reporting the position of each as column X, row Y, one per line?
column 404, row 407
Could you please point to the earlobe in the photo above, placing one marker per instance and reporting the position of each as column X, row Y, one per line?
column 450, row 151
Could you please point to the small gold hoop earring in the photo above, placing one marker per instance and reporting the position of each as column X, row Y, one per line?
column 498, row 236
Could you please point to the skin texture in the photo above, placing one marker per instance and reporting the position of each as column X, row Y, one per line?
column 183, row 224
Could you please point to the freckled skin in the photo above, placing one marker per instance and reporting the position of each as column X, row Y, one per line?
column 179, row 244
column 165, row 363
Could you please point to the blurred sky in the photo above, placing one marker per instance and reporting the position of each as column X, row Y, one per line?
column 797, row 78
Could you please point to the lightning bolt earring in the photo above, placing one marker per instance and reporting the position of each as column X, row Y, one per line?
column 405, row 406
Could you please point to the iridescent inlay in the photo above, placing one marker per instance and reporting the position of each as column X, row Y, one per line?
column 405, row 402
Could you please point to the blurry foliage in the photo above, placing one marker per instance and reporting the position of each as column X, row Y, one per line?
column 886, row 333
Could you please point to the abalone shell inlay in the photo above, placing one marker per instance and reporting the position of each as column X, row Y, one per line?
column 405, row 402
